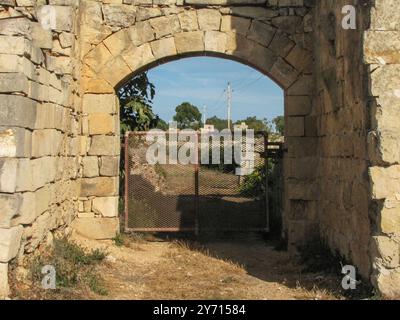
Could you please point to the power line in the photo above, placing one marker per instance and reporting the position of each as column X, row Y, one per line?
column 242, row 89
column 243, row 81
column 219, row 99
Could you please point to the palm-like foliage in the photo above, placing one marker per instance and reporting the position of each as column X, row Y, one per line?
column 136, row 97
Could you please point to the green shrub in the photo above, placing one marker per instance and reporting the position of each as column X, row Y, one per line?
column 73, row 265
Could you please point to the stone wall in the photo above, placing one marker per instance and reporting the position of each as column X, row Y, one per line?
column 382, row 55
column 355, row 103
column 276, row 39
column 40, row 140
column 341, row 108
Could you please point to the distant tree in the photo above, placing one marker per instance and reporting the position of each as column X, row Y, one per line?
column 163, row 125
column 136, row 97
column 279, row 123
column 219, row 124
column 187, row 116
column 256, row 124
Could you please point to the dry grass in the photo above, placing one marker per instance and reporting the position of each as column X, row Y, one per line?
column 140, row 269
column 75, row 272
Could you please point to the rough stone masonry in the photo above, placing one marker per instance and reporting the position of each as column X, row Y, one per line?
column 61, row 62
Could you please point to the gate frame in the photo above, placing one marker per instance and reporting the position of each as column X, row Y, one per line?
column 265, row 155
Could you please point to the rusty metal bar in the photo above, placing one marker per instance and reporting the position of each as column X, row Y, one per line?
column 126, row 165
column 267, row 227
column 158, row 229
column 196, row 187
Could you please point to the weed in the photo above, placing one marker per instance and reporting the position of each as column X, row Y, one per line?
column 72, row 263
column 96, row 284
column 119, row 240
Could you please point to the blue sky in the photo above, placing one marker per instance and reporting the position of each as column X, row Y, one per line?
column 202, row 80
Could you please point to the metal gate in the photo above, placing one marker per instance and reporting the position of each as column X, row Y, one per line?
column 172, row 196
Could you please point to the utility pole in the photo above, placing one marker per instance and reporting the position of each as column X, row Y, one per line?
column 204, row 114
column 229, row 102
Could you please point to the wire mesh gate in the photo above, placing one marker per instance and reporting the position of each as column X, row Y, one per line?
column 193, row 196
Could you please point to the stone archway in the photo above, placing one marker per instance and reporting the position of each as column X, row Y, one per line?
column 247, row 37
column 59, row 146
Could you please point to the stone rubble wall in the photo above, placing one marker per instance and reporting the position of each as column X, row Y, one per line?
column 40, row 139
column 382, row 55
column 356, row 105
column 340, row 107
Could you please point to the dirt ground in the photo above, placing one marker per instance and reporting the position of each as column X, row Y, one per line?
column 240, row 269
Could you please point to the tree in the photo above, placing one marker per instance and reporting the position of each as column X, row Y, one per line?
column 279, row 123
column 136, row 97
column 256, row 124
column 219, row 124
column 187, row 116
column 163, row 125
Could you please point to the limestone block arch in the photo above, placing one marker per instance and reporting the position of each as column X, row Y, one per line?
column 106, row 66
column 283, row 62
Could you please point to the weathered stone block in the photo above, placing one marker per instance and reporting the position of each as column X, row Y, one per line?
column 389, row 220
column 162, row 26
column 42, row 200
column 301, row 146
column 261, row 33
column 66, row 39
column 101, row 123
column 9, row 207
column 387, row 250
column 385, row 182
column 14, row 82
column 117, row 42
column 141, row 33
column 188, row 20
column 15, row 142
column 15, row 45
column 9, row 243
column 59, row 18
column 17, row 111
column 105, row 206
column 237, row 24
column 41, row 38
column 297, row 105
column 101, row 103
column 27, row 211
column 96, row 228
column 101, row 186
column 38, row 231
column 163, row 48
column 104, row 146
column 215, row 41
column 8, row 174
column 90, row 167
column 284, row 73
column 189, row 41
column 294, row 127
column 120, row 71
column 387, row 281
column 16, row 27
column 116, row 15
column 46, row 142
column 209, row 19
column 137, row 57
column 109, row 166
